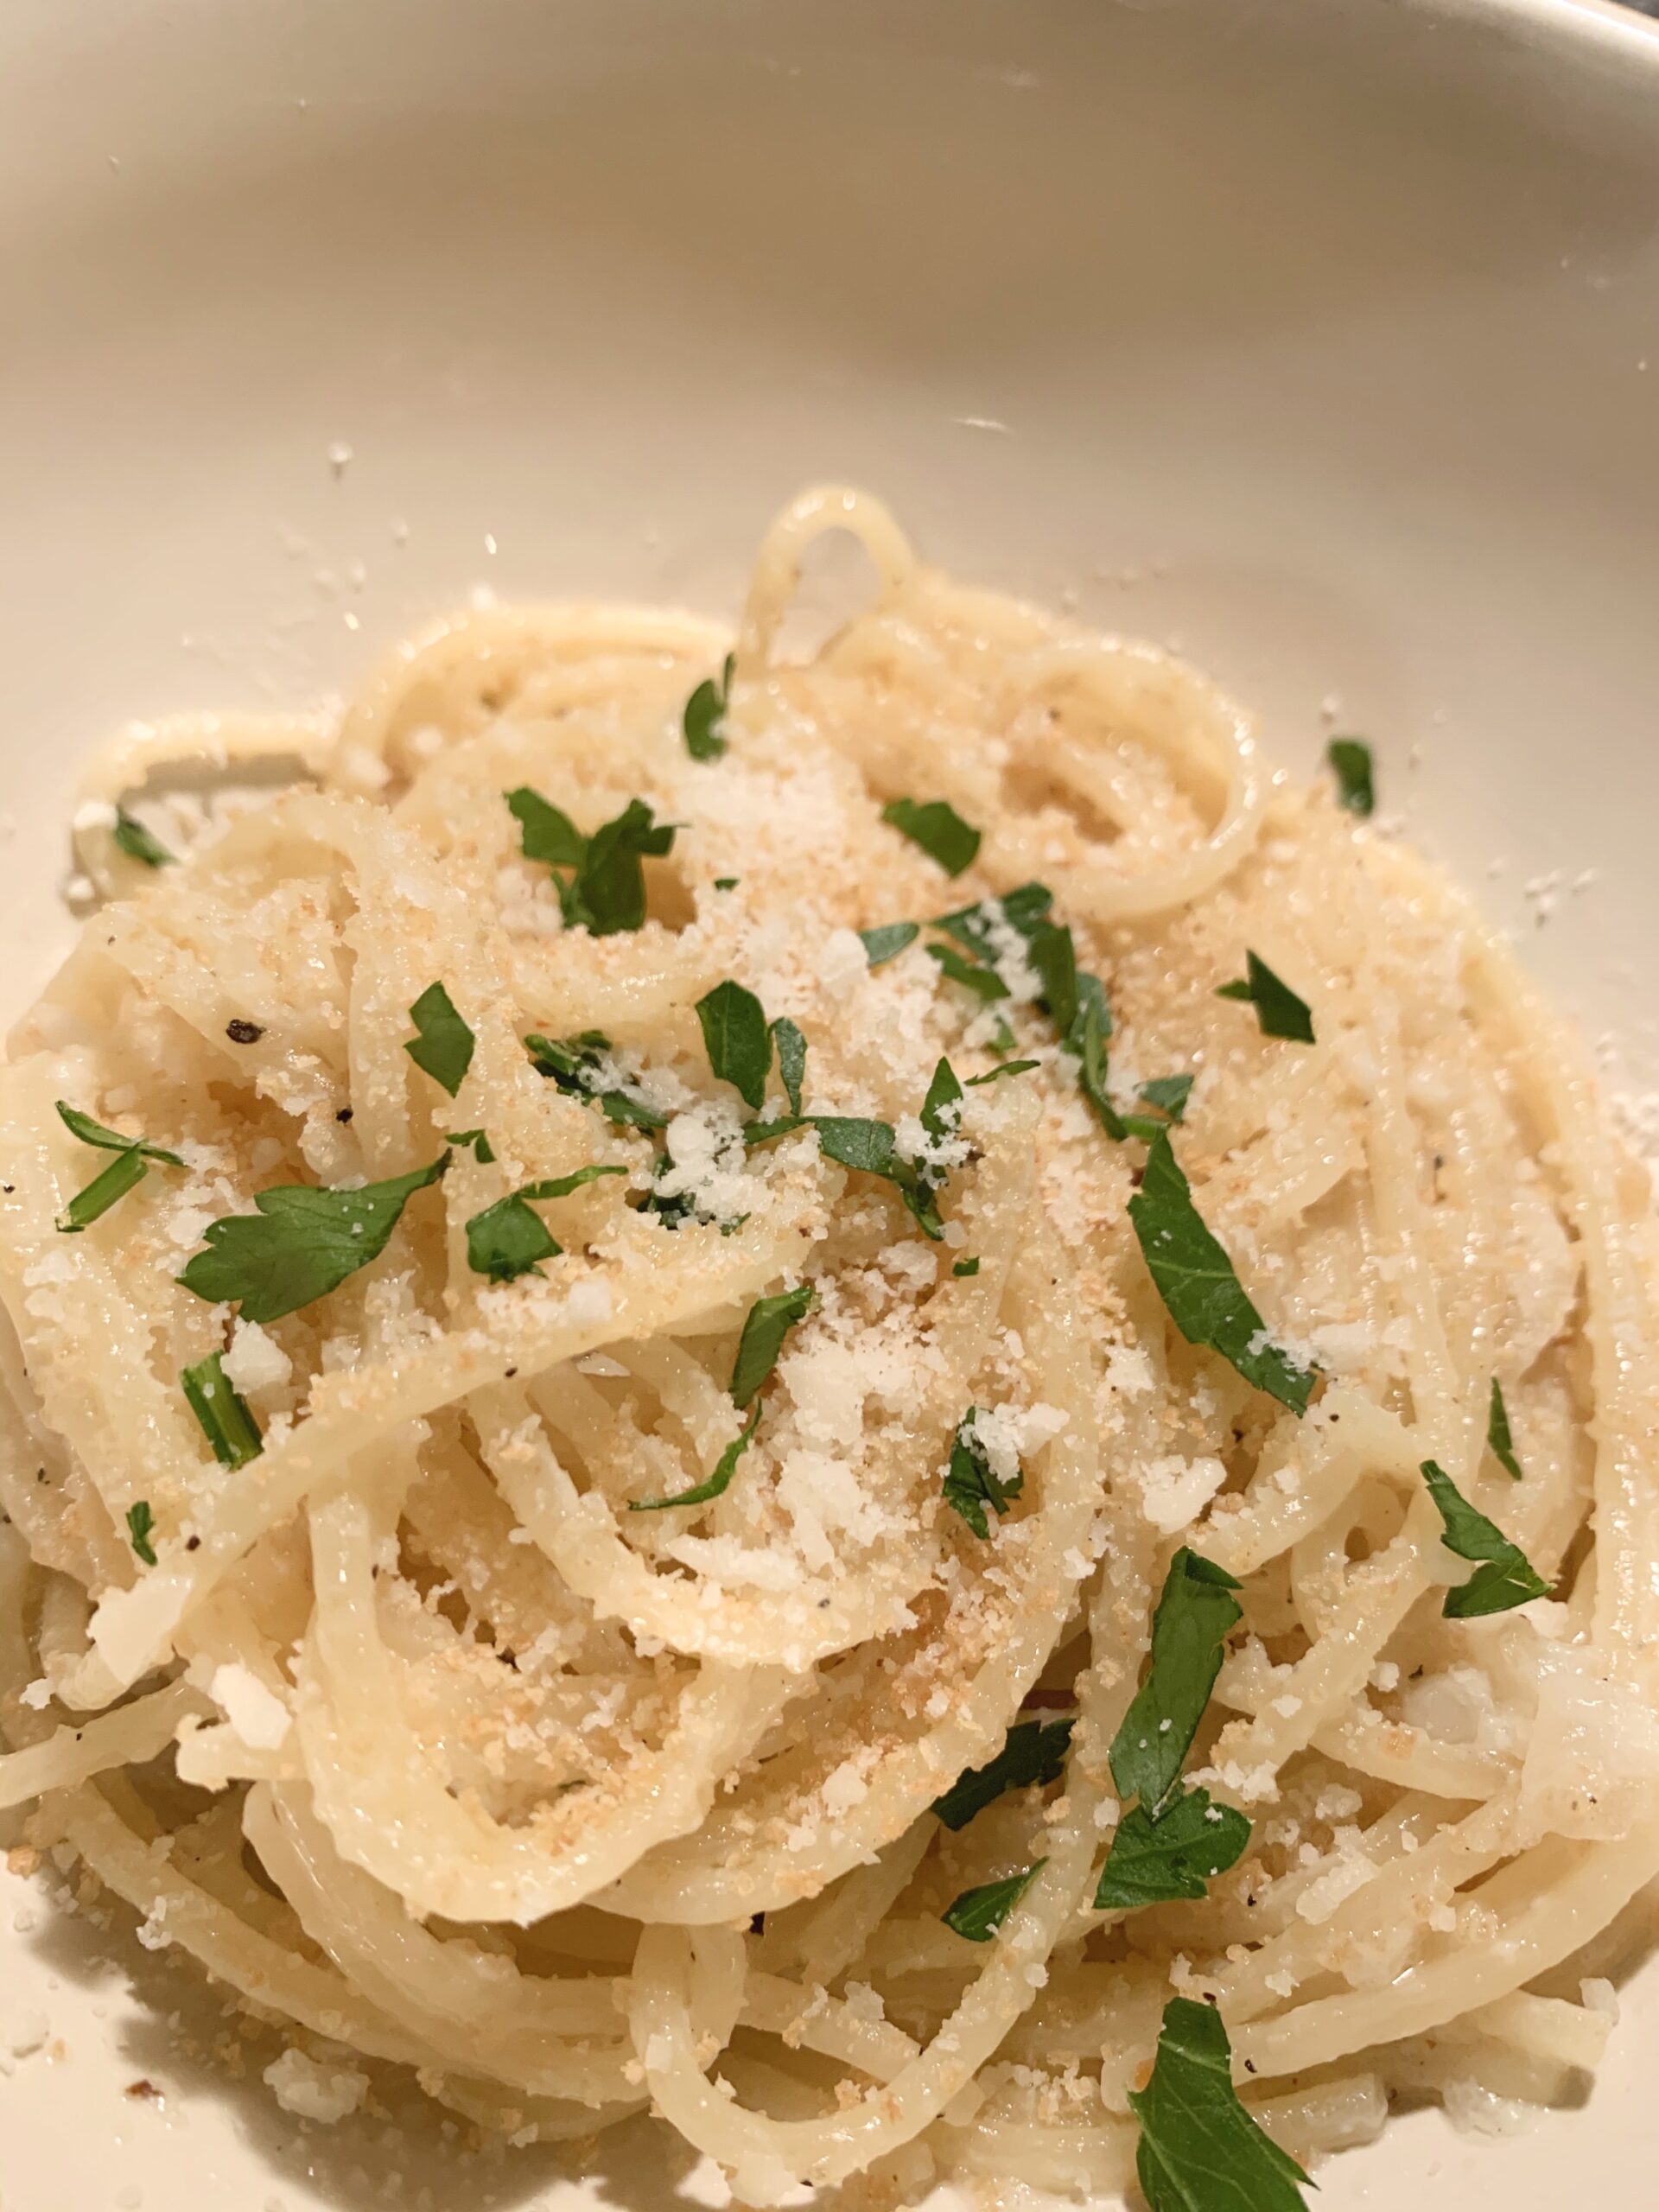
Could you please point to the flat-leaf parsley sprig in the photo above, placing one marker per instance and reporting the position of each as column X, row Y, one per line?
column 300, row 1243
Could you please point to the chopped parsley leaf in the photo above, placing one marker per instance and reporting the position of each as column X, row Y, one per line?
column 1505, row 1576
column 135, row 842
column 94, row 1133
column 1154, row 1862
column 508, row 1239
column 302, row 1242
column 977, row 1914
column 869, row 1147
column 1002, row 1068
column 964, row 1267
column 545, row 832
column 935, row 825
column 737, row 1041
column 630, row 1113
column 791, row 1059
column 226, row 1419
column 984, row 983
column 1195, row 1609
column 482, row 1150
column 1278, row 1012
column 725, row 1468
column 141, row 1525
column 1052, row 952
column 1169, row 1094
column 970, row 1483
column 1087, row 1038
column 767, row 1322
column 1200, row 2150
column 887, row 940
column 1350, row 764
column 605, row 891
column 123, row 1173
column 443, row 1046
column 1500, row 1442
column 977, row 926
column 567, row 1060
column 705, row 711
column 725, row 883
column 96, row 1198
column 1034, row 1751
column 1199, row 1285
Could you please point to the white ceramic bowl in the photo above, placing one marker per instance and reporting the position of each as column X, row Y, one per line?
column 1320, row 337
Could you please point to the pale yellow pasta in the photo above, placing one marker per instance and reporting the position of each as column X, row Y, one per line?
column 575, row 1809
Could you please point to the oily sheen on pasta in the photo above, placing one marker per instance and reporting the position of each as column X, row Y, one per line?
column 583, row 1811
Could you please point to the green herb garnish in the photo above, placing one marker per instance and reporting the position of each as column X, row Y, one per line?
column 1153, row 1862
column 791, row 1059
column 1088, row 1039
column 1195, row 1609
column 573, row 1063
column 136, row 842
column 977, row 926
column 606, row 891
column 889, row 940
column 480, row 1144
column 1200, row 2150
column 964, row 1267
column 767, row 1322
column 123, row 1173
column 737, row 1039
column 1500, row 1442
column 1505, row 1576
column 970, row 1483
column 725, row 1468
column 569, row 1061
column 1052, row 952
column 726, row 882
column 705, row 710
column 507, row 1239
column 444, row 1045
column 977, row 1914
column 1002, row 1068
column 1169, row 1094
column 1173, row 1839
column 302, row 1243
column 545, row 832
column 984, row 983
column 630, row 1113
column 1033, row 1751
column 1198, row 1284
column 141, row 1525
column 226, row 1419
column 1278, row 1012
column 1350, row 763
column 870, row 1147
column 935, row 825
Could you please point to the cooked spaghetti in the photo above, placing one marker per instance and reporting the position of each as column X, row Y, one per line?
column 629, row 1274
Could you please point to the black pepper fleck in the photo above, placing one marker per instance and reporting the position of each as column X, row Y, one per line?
column 242, row 1033
column 344, row 1114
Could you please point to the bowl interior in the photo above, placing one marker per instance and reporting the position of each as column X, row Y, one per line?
column 1322, row 345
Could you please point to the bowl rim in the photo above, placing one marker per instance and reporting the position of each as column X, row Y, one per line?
column 1608, row 24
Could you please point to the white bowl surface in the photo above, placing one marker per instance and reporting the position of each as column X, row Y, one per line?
column 1318, row 337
